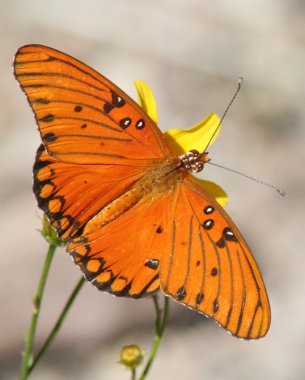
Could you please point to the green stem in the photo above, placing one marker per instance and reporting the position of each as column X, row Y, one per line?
column 58, row 324
column 161, row 321
column 133, row 373
column 29, row 339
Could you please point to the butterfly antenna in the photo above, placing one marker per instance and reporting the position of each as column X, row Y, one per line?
column 280, row 191
column 239, row 85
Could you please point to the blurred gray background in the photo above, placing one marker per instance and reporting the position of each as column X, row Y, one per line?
column 191, row 53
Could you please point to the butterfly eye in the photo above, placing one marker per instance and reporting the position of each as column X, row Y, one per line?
column 194, row 152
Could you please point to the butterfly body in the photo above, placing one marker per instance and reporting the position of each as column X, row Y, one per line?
column 134, row 219
column 160, row 179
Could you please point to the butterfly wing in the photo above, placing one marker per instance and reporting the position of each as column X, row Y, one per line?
column 96, row 140
column 82, row 116
column 123, row 257
column 72, row 194
column 210, row 267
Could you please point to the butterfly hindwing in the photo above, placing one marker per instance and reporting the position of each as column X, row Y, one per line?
column 72, row 194
column 82, row 116
column 123, row 257
column 210, row 268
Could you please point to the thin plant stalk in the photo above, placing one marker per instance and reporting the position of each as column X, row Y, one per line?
column 27, row 356
column 58, row 324
column 161, row 321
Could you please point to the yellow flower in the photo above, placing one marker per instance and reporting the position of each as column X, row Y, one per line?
column 181, row 141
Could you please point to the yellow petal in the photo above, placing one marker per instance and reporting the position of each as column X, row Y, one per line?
column 146, row 99
column 213, row 189
column 197, row 137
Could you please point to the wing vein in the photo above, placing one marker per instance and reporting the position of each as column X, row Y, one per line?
column 231, row 284
column 65, row 63
column 65, row 88
column 47, row 74
column 93, row 137
column 259, row 302
column 219, row 275
column 189, row 251
column 171, row 255
column 203, row 261
column 82, row 119
column 85, row 105
column 243, row 294
column 86, row 153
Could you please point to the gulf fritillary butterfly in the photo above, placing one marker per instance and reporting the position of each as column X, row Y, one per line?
column 134, row 219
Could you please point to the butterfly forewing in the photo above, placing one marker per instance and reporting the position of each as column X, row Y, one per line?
column 82, row 116
column 210, row 268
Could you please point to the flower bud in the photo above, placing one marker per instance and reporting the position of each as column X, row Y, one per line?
column 131, row 356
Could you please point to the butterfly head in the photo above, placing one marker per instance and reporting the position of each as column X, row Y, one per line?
column 194, row 161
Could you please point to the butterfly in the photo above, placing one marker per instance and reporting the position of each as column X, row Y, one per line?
column 134, row 218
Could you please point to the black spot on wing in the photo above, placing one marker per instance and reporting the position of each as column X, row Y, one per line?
column 159, row 230
column 47, row 119
column 125, row 123
column 208, row 210
column 108, row 107
column 49, row 137
column 215, row 306
column 140, row 124
column 181, row 293
column 117, row 100
column 152, row 264
column 227, row 235
column 208, row 224
column 41, row 101
column 199, row 298
column 78, row 108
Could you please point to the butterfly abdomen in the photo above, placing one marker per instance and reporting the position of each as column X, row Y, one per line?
column 113, row 210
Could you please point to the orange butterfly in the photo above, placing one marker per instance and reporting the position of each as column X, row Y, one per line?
column 134, row 219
